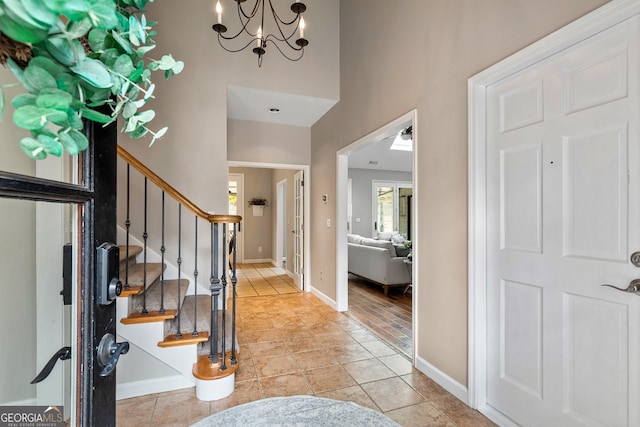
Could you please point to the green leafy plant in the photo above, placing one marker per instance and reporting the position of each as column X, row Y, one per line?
column 86, row 55
column 258, row 201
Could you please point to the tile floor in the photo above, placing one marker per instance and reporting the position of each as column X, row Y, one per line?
column 291, row 344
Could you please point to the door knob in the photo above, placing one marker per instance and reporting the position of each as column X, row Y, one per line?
column 633, row 288
column 109, row 352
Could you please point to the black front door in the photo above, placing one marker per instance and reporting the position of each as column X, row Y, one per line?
column 50, row 309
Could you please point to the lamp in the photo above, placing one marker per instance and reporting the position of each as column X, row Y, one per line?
column 286, row 30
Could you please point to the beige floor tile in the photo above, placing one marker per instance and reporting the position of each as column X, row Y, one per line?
column 285, row 385
column 267, row 349
column 259, row 336
column 351, row 394
column 361, row 335
column 313, row 359
column 460, row 413
column 364, row 371
column 392, row 393
column 424, row 385
column 179, row 408
column 421, row 415
column 246, row 371
column 378, row 348
column 277, row 365
column 350, row 353
column 326, row 379
column 245, row 391
column 135, row 412
column 303, row 344
column 397, row 363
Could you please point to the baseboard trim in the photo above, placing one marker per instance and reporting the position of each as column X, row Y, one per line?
column 331, row 303
column 444, row 380
column 156, row 385
column 257, row 261
column 497, row 417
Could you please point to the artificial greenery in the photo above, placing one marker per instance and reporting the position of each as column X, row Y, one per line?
column 258, row 201
column 84, row 54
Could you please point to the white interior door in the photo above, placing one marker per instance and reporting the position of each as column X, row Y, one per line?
column 563, row 190
column 236, row 207
column 298, row 231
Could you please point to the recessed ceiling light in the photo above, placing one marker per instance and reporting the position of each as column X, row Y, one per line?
column 274, row 110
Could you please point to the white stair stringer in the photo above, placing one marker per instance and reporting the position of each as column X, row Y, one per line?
column 147, row 335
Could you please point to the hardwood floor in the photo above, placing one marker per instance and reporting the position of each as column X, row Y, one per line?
column 389, row 317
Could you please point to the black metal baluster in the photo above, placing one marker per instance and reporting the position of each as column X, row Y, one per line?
column 144, row 237
column 223, row 279
column 162, row 249
column 234, row 282
column 195, row 288
column 215, row 292
column 179, row 333
column 127, row 224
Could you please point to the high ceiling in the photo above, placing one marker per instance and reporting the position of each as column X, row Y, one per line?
column 298, row 110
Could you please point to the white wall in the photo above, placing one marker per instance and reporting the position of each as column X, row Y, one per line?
column 362, row 195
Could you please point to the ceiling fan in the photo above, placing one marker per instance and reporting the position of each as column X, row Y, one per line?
column 405, row 134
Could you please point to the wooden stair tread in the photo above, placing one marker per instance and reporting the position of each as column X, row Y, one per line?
column 131, row 290
column 186, row 339
column 133, row 251
column 205, row 369
column 150, row 317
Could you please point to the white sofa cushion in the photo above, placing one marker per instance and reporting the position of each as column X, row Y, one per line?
column 384, row 244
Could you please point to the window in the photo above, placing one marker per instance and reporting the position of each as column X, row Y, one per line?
column 392, row 207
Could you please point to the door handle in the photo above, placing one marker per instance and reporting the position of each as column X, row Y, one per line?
column 633, row 288
column 109, row 352
column 63, row 354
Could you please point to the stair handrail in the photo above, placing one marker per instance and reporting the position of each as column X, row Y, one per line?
column 179, row 197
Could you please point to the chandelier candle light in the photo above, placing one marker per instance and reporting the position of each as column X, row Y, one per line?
column 286, row 30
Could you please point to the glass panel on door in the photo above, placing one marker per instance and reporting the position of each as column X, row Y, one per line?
column 38, row 265
column 385, row 207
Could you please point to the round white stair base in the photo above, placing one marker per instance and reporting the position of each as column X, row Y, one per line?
column 215, row 389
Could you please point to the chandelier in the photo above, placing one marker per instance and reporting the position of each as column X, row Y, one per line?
column 281, row 37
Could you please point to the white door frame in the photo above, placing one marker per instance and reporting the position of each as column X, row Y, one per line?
column 606, row 16
column 281, row 207
column 307, row 204
column 342, row 180
column 240, row 206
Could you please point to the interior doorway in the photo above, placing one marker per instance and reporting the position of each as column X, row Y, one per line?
column 281, row 224
column 350, row 221
column 236, row 207
column 278, row 236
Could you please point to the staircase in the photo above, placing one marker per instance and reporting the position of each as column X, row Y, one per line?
column 175, row 319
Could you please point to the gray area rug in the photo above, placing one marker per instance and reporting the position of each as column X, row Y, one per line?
column 299, row 411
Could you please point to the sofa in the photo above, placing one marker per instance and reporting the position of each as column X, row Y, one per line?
column 376, row 260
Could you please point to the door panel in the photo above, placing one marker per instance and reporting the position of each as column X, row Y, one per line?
column 298, row 239
column 45, row 213
column 563, row 206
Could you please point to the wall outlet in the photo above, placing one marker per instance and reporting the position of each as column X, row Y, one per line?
column 328, row 222
column 321, row 279
column 259, row 248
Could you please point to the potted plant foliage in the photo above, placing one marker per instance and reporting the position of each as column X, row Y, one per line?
column 79, row 60
column 258, row 204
